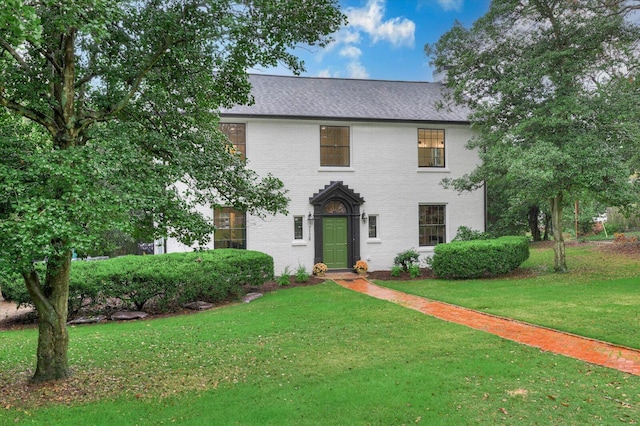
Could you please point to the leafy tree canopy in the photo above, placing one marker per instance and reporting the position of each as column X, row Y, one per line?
column 107, row 104
column 553, row 91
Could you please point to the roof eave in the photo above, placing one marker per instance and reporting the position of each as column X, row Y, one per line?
column 330, row 118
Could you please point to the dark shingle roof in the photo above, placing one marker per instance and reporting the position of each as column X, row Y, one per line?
column 335, row 98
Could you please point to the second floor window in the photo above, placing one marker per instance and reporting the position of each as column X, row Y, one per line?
column 430, row 148
column 237, row 135
column 334, row 146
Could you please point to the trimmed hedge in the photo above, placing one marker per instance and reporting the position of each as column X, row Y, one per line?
column 169, row 280
column 479, row 258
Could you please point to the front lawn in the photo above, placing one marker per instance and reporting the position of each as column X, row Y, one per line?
column 318, row 355
column 599, row 296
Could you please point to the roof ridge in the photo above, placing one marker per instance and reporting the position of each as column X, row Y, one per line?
column 311, row 77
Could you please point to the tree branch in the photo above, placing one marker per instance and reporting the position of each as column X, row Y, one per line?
column 47, row 56
column 19, row 59
column 32, row 281
column 33, row 115
column 137, row 81
column 95, row 116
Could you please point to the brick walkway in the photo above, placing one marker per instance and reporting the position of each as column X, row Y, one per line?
column 589, row 350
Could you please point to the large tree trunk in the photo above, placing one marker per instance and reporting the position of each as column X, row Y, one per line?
column 559, row 258
column 532, row 217
column 51, row 304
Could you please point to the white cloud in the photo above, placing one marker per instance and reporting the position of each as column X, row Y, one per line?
column 357, row 70
column 348, row 36
column 448, row 5
column 325, row 73
column 343, row 36
column 351, row 52
column 398, row 31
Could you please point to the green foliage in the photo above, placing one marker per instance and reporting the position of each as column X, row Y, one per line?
column 479, row 258
column 302, row 276
column 553, row 89
column 414, row 270
column 122, row 128
column 406, row 258
column 284, row 279
column 168, row 281
column 613, row 228
column 396, row 270
column 465, row 233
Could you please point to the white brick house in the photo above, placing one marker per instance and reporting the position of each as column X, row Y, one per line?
column 362, row 161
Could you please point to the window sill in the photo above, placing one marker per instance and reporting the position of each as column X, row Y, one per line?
column 336, row 169
column 426, row 249
column 433, row 170
column 374, row 241
column 298, row 243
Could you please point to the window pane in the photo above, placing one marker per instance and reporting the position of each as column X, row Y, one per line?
column 236, row 133
column 430, row 148
column 230, row 228
column 335, row 207
column 334, row 145
column 297, row 228
column 432, row 226
column 373, row 226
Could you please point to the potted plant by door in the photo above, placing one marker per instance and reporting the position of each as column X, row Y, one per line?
column 361, row 267
column 319, row 269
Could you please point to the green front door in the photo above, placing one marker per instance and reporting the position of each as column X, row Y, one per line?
column 334, row 246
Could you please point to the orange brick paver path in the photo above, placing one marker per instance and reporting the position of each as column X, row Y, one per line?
column 589, row 350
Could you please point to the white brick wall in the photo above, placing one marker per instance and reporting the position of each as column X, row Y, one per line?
column 384, row 171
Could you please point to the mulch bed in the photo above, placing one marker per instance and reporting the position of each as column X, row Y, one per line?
column 404, row 276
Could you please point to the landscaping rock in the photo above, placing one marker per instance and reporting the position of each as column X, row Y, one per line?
column 126, row 315
column 199, row 306
column 87, row 320
column 251, row 297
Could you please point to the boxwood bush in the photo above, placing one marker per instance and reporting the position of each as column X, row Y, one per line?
column 479, row 258
column 168, row 280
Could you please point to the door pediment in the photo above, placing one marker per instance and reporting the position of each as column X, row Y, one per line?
column 336, row 190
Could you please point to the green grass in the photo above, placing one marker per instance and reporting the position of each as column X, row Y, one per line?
column 598, row 297
column 308, row 356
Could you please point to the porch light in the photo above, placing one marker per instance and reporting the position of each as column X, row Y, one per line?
column 364, row 217
column 310, row 220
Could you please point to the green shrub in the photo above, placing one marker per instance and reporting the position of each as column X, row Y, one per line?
column 302, row 276
column 414, row 271
column 14, row 289
column 406, row 258
column 396, row 270
column 479, row 258
column 612, row 228
column 168, row 280
column 465, row 233
column 284, row 279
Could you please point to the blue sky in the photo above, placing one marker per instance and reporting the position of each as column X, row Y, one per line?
column 385, row 39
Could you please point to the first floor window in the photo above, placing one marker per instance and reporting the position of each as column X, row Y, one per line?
column 373, row 226
column 432, row 225
column 231, row 228
column 297, row 228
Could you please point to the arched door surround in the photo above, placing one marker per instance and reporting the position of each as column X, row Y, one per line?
column 336, row 211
